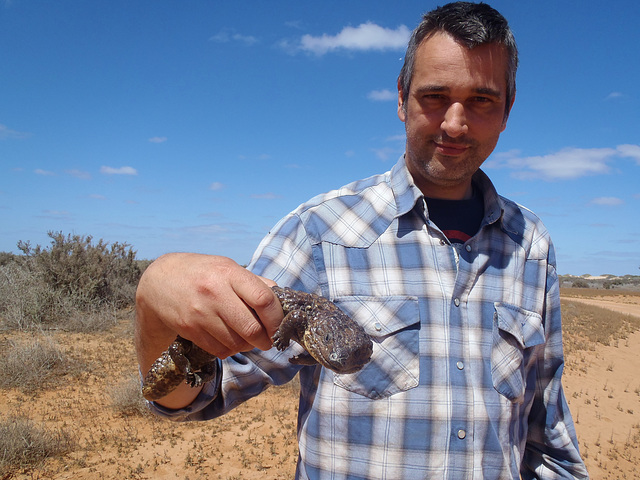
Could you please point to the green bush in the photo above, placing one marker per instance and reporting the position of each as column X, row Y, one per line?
column 580, row 284
column 73, row 283
column 76, row 267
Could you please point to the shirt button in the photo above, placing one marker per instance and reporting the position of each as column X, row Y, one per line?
column 377, row 326
column 460, row 365
column 442, row 242
column 456, row 302
column 468, row 248
column 462, row 434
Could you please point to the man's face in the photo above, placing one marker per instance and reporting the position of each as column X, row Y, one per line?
column 454, row 113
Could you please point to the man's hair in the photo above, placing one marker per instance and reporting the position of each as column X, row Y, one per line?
column 470, row 24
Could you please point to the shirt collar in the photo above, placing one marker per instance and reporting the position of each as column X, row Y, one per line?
column 496, row 208
column 404, row 190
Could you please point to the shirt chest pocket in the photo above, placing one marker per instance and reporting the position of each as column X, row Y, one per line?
column 393, row 324
column 515, row 332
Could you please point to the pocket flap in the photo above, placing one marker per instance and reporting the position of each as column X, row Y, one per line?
column 393, row 323
column 523, row 325
column 381, row 316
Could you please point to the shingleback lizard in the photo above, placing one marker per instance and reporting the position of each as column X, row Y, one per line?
column 329, row 336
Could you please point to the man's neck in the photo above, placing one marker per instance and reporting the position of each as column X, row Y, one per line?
column 449, row 192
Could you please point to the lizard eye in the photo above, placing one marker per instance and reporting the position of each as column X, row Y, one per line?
column 327, row 337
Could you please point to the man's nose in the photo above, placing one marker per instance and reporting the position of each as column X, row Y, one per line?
column 455, row 120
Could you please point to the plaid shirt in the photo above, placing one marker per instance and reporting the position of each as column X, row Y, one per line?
column 464, row 381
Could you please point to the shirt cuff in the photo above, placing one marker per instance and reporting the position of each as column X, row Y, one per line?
column 207, row 395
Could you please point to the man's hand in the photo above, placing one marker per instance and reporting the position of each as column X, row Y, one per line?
column 212, row 301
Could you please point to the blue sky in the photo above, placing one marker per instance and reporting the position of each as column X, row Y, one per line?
column 195, row 126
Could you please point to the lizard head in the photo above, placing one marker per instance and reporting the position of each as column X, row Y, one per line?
column 343, row 348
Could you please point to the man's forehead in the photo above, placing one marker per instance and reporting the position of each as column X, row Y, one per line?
column 440, row 54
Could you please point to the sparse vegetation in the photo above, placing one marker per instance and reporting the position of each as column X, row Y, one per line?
column 69, row 377
column 602, row 282
column 30, row 365
column 126, row 397
column 25, row 444
column 75, row 283
column 594, row 324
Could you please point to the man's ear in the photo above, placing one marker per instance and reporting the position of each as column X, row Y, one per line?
column 402, row 114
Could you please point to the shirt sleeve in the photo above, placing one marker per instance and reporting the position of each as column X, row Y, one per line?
column 285, row 256
column 551, row 450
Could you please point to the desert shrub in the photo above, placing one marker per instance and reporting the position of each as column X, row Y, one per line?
column 580, row 284
column 608, row 284
column 75, row 283
column 6, row 258
column 26, row 301
column 126, row 397
column 76, row 267
column 30, row 365
column 24, row 444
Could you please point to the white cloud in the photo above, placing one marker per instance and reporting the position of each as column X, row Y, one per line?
column 81, row 174
column 45, row 173
column 118, row 171
column 216, row 186
column 385, row 95
column 6, row 133
column 397, row 138
column 568, row 163
column 54, row 214
column 228, row 35
column 364, row 37
column 385, row 153
column 607, row 201
column 629, row 151
column 614, row 96
column 158, row 139
column 297, row 24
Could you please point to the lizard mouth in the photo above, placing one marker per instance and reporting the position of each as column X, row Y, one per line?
column 345, row 360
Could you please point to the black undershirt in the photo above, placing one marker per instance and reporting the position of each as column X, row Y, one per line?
column 459, row 220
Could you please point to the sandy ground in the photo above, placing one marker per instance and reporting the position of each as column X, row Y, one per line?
column 626, row 305
column 257, row 440
column 603, row 390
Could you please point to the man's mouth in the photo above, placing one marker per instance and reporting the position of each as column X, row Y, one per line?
column 451, row 148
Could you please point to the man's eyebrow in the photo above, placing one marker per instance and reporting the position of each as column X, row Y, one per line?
column 488, row 91
column 442, row 89
column 431, row 89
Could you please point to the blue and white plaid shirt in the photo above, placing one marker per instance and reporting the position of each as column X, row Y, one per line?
column 464, row 381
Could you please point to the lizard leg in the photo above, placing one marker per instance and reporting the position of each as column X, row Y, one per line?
column 178, row 351
column 303, row 359
column 292, row 324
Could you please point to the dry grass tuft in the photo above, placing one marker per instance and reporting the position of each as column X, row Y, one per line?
column 126, row 398
column 24, row 444
column 30, row 365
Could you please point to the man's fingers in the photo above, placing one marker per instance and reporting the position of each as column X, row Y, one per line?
column 210, row 300
column 264, row 308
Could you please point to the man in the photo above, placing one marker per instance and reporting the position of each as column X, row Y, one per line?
column 456, row 285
